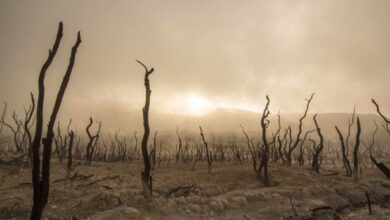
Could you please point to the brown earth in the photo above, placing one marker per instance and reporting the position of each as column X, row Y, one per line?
column 112, row 191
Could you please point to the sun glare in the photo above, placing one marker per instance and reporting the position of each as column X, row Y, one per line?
column 197, row 105
column 193, row 103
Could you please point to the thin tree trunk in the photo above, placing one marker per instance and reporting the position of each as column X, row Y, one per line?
column 356, row 150
column 70, row 159
column 41, row 180
column 145, row 175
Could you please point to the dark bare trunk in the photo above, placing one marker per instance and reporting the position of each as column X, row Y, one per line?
column 146, row 177
column 41, row 180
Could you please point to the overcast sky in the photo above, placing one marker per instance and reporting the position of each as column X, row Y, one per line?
column 219, row 53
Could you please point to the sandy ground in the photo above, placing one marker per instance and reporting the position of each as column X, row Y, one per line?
column 112, row 191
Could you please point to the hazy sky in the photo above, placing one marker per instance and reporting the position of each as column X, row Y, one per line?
column 206, row 54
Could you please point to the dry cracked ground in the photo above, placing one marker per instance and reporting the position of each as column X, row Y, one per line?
column 106, row 191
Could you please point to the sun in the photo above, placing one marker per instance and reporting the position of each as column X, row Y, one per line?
column 198, row 105
column 190, row 103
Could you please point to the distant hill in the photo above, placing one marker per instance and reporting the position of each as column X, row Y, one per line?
column 228, row 120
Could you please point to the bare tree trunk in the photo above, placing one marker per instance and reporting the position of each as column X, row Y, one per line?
column 41, row 181
column 346, row 163
column 19, row 134
column 92, row 141
column 382, row 167
column 180, row 145
column 297, row 139
column 351, row 121
column 27, row 129
column 385, row 119
column 197, row 156
column 301, row 158
column 59, row 143
column 208, row 153
column 153, row 151
column 317, row 149
column 355, row 151
column 264, row 155
column 145, row 175
column 70, row 159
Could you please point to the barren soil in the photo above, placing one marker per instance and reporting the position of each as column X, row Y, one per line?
column 231, row 191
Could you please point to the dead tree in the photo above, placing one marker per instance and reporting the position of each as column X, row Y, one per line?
column 186, row 154
column 298, row 137
column 373, row 139
column 275, row 141
column 77, row 152
column 113, row 147
column 355, row 150
column 122, row 146
column 91, row 146
column 369, row 204
column 160, row 153
column 346, row 163
column 41, row 180
column 180, row 145
column 147, row 181
column 261, row 155
column 381, row 166
column 197, row 156
column 385, row 119
column 3, row 140
column 301, row 158
column 18, row 133
column 282, row 142
column 351, row 122
column 317, row 149
column 264, row 153
column 153, row 151
column 209, row 154
column 61, row 143
column 70, row 147
column 252, row 150
column 27, row 128
column 135, row 152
